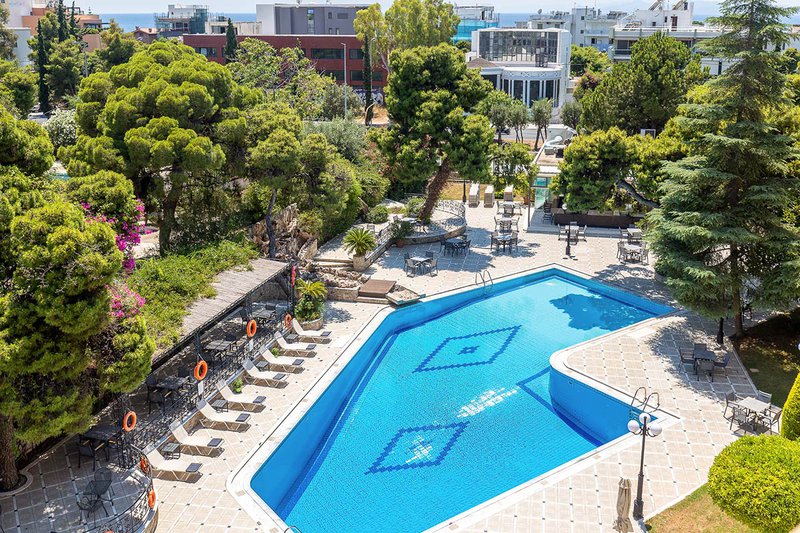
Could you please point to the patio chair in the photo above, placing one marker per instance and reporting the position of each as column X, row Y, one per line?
column 311, row 335
column 178, row 469
column 562, row 233
column 296, row 349
column 264, row 379
column 770, row 419
column 103, row 479
column 705, row 366
column 194, row 444
column 230, row 421
column 582, row 233
column 621, row 250
column 281, row 364
column 467, row 246
column 90, row 504
column 723, row 364
column 687, row 357
column 765, row 397
column 410, row 267
column 433, row 265
column 474, row 190
column 85, row 449
column 240, row 402
column 739, row 415
column 159, row 398
column 645, row 255
column 730, row 403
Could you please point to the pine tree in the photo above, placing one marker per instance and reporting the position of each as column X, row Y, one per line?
column 41, row 67
column 719, row 234
column 231, row 43
column 63, row 29
column 74, row 31
column 367, row 75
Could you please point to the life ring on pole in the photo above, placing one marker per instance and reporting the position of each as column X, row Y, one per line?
column 144, row 464
column 200, row 370
column 129, row 421
column 251, row 328
column 151, row 498
column 287, row 321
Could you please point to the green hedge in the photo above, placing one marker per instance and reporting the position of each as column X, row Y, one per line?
column 756, row 480
column 790, row 422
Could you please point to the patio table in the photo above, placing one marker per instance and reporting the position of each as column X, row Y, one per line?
column 218, row 345
column 634, row 234
column 172, row 383
column 632, row 251
column 420, row 261
column 503, row 240
column 102, row 432
column 171, row 450
column 754, row 407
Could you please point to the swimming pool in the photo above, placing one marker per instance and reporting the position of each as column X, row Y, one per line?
column 448, row 404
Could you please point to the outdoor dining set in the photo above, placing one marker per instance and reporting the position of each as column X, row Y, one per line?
column 631, row 246
column 420, row 264
column 572, row 232
column 506, row 232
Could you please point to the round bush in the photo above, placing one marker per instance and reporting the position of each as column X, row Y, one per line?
column 756, row 480
column 790, row 423
column 378, row 215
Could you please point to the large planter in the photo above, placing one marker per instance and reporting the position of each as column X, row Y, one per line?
column 360, row 263
column 313, row 324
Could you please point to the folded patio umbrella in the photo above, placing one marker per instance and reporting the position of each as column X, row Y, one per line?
column 623, row 521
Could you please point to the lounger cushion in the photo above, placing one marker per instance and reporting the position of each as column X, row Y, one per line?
column 194, row 467
column 213, row 443
column 326, row 334
column 311, row 346
column 279, row 377
column 259, row 399
column 242, row 417
column 297, row 362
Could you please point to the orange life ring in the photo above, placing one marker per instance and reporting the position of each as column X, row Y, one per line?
column 287, row 321
column 144, row 464
column 200, row 370
column 151, row 498
column 129, row 422
column 251, row 328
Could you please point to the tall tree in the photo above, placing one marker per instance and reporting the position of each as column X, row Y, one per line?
column 571, row 114
column 64, row 69
column 118, row 46
column 646, row 91
column 41, row 68
column 719, row 234
column 430, row 94
column 231, row 43
column 63, row 25
column 512, row 164
column 497, row 107
column 585, row 59
column 74, row 30
column 541, row 111
column 367, row 76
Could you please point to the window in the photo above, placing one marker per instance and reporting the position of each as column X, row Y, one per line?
column 356, row 75
column 327, row 53
column 330, row 31
column 356, row 53
column 534, row 90
column 310, row 20
column 377, row 76
column 517, row 89
column 583, row 17
column 594, row 41
column 581, row 32
column 330, row 15
column 208, row 52
column 548, row 89
column 341, row 16
column 338, row 75
column 654, row 24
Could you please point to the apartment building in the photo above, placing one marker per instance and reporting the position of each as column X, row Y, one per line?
column 307, row 19
column 473, row 18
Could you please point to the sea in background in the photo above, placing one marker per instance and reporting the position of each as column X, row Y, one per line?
column 129, row 21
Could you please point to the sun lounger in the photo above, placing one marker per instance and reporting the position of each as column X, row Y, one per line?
column 241, row 402
column 284, row 364
column 474, row 191
column 230, row 421
column 194, row 444
column 265, row 379
column 488, row 196
column 172, row 469
column 311, row 335
column 508, row 194
column 296, row 348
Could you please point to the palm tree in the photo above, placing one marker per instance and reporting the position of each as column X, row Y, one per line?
column 359, row 242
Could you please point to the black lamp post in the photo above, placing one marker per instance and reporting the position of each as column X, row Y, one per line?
column 569, row 238
column 644, row 428
column 464, row 196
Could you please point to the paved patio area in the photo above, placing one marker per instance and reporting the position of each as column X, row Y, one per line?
column 583, row 500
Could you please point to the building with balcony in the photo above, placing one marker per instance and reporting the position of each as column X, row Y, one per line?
column 220, row 26
column 587, row 26
column 307, row 19
column 474, row 18
column 182, row 19
column 527, row 64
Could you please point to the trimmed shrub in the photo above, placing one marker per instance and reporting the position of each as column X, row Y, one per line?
column 378, row 215
column 790, row 423
column 756, row 480
column 414, row 206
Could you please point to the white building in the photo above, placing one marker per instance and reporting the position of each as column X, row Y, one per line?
column 242, row 27
column 588, row 26
column 16, row 10
column 527, row 64
column 307, row 19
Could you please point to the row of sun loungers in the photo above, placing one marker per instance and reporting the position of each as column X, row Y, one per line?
column 225, row 411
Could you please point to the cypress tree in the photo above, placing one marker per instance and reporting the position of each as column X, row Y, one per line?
column 719, row 234
column 41, row 67
column 73, row 23
column 231, row 43
column 367, row 83
column 63, row 30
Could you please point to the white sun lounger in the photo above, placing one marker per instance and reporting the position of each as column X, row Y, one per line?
column 283, row 364
column 230, row 421
column 194, row 444
column 321, row 336
column 474, row 191
column 267, row 379
column 296, row 348
column 229, row 396
column 172, row 469
column 488, row 196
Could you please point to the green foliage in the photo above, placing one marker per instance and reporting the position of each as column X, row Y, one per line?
column 18, row 193
column 64, row 69
column 497, row 106
column 374, row 185
column 646, row 91
column 359, row 241
column 20, row 86
column 541, row 112
column 378, row 215
column 790, row 420
column 370, row 27
column 756, row 480
column 787, row 61
column 236, row 386
column 8, row 39
column 313, row 290
column 585, row 59
column 414, row 206
column 62, row 128
column 40, row 60
column 512, row 164
column 464, row 46
column 366, row 74
column 311, row 222
column 307, row 309
column 721, row 225
column 118, row 47
column 586, row 84
column 571, row 114
column 107, row 192
column 231, row 43
column 24, row 144
column 649, row 155
column 347, row 136
column 171, row 283
column 400, row 229
column 592, row 166
column 430, row 93
column 332, row 105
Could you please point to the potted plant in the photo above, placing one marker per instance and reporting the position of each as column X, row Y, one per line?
column 400, row 231
column 359, row 242
column 310, row 305
column 236, row 386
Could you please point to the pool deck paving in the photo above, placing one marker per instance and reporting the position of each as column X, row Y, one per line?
column 579, row 499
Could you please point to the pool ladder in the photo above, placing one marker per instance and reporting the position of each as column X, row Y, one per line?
column 485, row 279
column 643, row 402
column 292, row 529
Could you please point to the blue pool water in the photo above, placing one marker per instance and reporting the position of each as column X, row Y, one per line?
column 449, row 404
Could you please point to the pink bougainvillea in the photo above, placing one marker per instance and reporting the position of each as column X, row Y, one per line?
column 125, row 302
column 127, row 230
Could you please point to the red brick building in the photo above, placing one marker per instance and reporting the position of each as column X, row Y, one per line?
column 327, row 52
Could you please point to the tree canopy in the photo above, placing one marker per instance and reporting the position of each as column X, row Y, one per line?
column 585, row 59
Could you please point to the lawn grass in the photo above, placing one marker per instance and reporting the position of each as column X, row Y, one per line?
column 771, row 349
column 697, row 513
column 171, row 283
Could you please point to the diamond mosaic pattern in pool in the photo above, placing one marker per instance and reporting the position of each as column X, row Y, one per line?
column 480, row 348
column 417, row 447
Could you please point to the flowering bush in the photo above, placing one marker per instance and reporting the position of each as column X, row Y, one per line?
column 126, row 228
column 125, row 302
column 62, row 128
